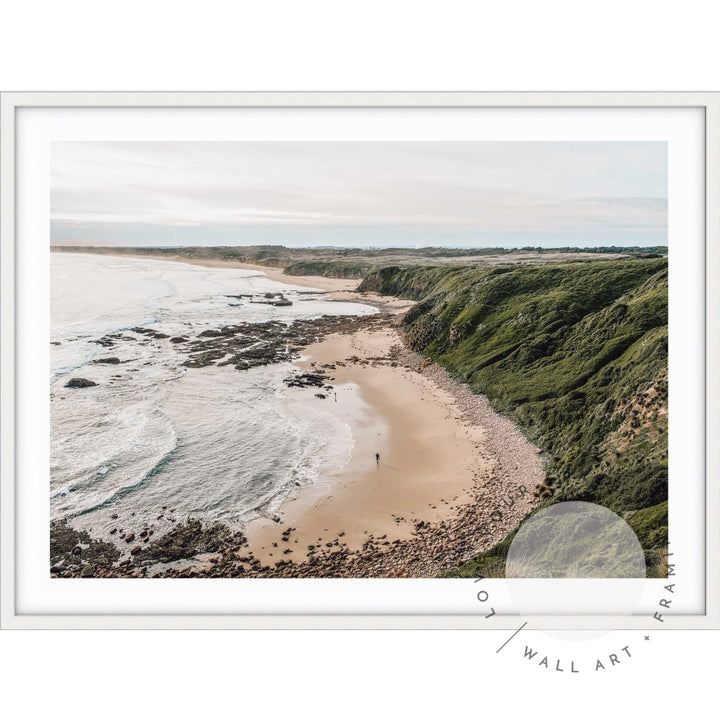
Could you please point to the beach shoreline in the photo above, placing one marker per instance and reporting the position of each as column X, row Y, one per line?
column 318, row 282
column 454, row 477
column 426, row 463
column 449, row 463
column 336, row 289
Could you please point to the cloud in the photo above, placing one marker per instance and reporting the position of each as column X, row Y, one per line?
column 482, row 186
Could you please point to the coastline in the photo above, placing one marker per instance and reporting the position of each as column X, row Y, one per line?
column 339, row 289
column 318, row 282
column 454, row 478
column 427, row 460
column 441, row 455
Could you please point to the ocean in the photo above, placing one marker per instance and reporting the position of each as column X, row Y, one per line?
column 156, row 438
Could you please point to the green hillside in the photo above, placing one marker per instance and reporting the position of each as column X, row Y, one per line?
column 575, row 352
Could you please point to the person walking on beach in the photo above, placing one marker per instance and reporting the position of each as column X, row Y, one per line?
column 377, row 458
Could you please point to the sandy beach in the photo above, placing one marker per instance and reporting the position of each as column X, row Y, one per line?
column 436, row 459
column 453, row 476
column 428, row 457
column 431, row 458
column 442, row 448
column 318, row 282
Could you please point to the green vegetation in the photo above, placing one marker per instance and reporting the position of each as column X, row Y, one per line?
column 489, row 564
column 576, row 353
column 651, row 527
column 358, row 262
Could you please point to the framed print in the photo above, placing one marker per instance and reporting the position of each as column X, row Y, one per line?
column 360, row 360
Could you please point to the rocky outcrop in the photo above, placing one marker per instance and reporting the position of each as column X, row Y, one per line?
column 248, row 345
column 188, row 540
column 73, row 553
column 79, row 383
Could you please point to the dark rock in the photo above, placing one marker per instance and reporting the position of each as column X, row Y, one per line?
column 65, row 544
column 304, row 380
column 80, row 383
column 189, row 539
column 248, row 345
column 149, row 332
column 107, row 361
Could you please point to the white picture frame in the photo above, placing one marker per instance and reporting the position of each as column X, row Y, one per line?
column 12, row 615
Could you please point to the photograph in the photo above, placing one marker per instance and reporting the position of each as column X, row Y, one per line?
column 358, row 359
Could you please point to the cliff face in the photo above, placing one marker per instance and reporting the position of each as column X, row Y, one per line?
column 575, row 352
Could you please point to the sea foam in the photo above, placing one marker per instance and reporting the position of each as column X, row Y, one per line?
column 213, row 442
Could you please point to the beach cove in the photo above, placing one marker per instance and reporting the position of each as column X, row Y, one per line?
column 453, row 477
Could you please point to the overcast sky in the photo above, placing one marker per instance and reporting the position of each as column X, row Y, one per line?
column 274, row 189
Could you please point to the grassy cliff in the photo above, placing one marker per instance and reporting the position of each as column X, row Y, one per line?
column 576, row 353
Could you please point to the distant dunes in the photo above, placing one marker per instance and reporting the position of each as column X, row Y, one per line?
column 356, row 263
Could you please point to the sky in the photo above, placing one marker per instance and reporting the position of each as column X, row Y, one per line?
column 359, row 193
